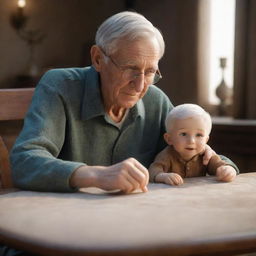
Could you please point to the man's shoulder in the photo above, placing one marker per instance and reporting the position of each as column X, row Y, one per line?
column 60, row 74
column 156, row 94
column 152, row 89
column 156, row 99
column 67, row 81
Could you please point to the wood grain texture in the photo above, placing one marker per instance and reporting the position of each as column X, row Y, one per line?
column 14, row 104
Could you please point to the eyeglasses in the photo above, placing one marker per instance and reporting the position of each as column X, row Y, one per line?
column 129, row 74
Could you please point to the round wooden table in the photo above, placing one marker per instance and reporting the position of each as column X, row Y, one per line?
column 201, row 217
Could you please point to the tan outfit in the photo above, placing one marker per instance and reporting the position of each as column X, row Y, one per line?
column 169, row 160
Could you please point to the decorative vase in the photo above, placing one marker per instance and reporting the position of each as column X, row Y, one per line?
column 223, row 92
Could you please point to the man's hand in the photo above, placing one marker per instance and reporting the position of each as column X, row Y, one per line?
column 208, row 153
column 169, row 178
column 225, row 173
column 127, row 176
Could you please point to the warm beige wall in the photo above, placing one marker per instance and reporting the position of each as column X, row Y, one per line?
column 70, row 28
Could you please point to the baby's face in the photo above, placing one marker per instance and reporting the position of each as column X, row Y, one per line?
column 188, row 136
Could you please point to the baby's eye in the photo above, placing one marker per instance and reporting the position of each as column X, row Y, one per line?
column 183, row 134
column 199, row 135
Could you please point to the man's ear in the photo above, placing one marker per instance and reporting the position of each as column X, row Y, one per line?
column 96, row 57
column 167, row 138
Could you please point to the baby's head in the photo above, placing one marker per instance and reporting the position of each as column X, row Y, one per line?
column 185, row 111
column 187, row 128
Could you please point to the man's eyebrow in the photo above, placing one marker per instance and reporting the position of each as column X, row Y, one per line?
column 135, row 65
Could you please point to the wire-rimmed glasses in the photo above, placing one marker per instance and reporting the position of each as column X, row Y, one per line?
column 130, row 74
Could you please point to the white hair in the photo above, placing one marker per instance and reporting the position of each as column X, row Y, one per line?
column 128, row 25
column 184, row 111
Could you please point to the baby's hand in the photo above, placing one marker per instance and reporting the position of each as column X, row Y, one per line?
column 225, row 173
column 169, row 178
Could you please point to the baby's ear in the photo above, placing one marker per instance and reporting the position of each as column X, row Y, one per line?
column 167, row 138
column 207, row 139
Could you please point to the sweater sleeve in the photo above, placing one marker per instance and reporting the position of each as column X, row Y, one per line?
column 229, row 162
column 34, row 161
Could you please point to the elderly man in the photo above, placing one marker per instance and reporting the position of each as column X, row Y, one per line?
column 102, row 125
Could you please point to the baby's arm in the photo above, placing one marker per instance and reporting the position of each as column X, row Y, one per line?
column 225, row 173
column 222, row 170
column 159, row 170
column 169, row 178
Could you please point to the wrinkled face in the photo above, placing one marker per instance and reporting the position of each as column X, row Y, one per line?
column 139, row 57
column 188, row 136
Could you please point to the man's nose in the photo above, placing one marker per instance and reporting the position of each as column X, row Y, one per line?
column 139, row 82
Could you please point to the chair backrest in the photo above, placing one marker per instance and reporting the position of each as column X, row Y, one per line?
column 14, row 104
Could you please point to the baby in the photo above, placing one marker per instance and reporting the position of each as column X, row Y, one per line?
column 187, row 131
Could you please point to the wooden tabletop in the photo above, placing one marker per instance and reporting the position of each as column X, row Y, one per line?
column 200, row 217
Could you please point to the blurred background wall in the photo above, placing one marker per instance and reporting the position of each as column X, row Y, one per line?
column 68, row 29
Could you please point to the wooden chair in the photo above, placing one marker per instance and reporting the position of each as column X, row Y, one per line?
column 14, row 104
